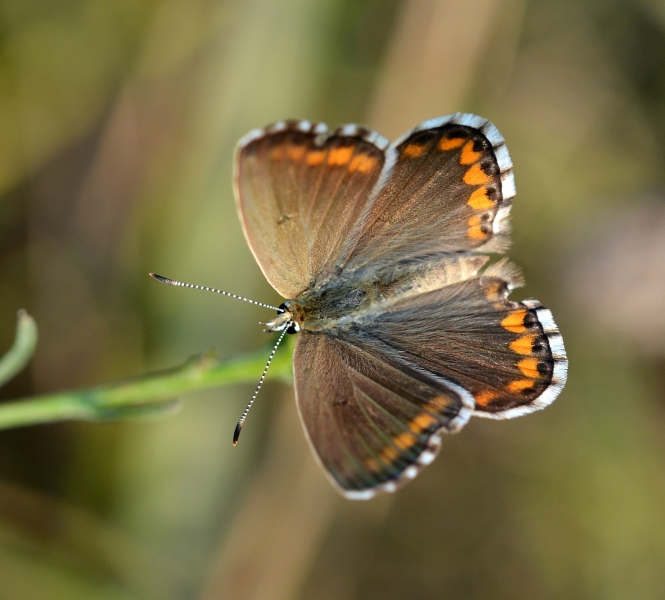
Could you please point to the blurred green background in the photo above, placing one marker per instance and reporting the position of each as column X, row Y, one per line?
column 118, row 120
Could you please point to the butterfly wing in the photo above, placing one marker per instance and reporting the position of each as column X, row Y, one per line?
column 450, row 190
column 371, row 418
column 374, row 394
column 508, row 355
column 298, row 192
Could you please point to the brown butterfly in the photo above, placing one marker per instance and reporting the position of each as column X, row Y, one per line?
column 380, row 249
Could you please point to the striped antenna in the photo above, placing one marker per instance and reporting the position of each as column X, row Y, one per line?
column 241, row 422
column 209, row 289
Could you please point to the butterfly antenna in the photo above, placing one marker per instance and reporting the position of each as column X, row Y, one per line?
column 209, row 289
column 241, row 422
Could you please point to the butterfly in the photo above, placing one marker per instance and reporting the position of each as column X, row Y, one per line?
column 381, row 251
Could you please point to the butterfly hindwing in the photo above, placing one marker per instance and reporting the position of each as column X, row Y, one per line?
column 508, row 355
column 299, row 190
column 371, row 422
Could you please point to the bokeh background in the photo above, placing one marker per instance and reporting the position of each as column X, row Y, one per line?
column 118, row 120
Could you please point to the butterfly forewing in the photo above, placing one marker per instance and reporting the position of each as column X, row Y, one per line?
column 299, row 191
column 450, row 190
column 372, row 422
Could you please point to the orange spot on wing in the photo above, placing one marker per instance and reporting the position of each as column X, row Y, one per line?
column 479, row 200
column 529, row 367
column 438, row 403
column 520, row 384
column 389, row 454
column 363, row 163
column 494, row 291
column 515, row 322
column 315, row 157
column 422, row 422
column 369, row 164
column 523, row 345
column 277, row 153
column 295, row 153
column 450, row 143
column 413, row 151
column 468, row 156
column 475, row 232
column 340, row 156
column 476, row 176
column 485, row 397
column 405, row 440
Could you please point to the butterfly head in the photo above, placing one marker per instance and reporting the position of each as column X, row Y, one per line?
column 288, row 318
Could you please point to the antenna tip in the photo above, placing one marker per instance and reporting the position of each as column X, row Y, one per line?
column 236, row 433
column 160, row 278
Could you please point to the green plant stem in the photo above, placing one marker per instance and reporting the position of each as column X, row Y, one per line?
column 22, row 350
column 145, row 395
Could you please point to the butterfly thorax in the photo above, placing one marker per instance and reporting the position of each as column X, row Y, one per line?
column 355, row 297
